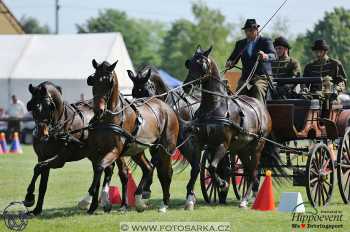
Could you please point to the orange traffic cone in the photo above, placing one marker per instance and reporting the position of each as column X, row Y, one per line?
column 15, row 144
column 1, row 151
column 114, row 195
column 265, row 200
column 3, row 143
column 131, row 189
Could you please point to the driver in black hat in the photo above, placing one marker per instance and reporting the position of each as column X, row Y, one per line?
column 250, row 49
column 323, row 66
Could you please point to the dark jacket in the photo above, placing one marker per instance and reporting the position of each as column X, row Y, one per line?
column 263, row 44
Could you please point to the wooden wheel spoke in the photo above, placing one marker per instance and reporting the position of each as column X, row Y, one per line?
column 327, row 183
column 211, row 191
column 315, row 164
column 323, row 194
column 346, row 142
column 314, row 172
column 215, row 192
column 315, row 192
column 209, row 185
column 313, row 181
column 347, row 182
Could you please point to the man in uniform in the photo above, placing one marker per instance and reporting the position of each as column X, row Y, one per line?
column 325, row 66
column 284, row 66
column 254, row 48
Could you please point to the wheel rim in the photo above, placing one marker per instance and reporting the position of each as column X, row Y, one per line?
column 320, row 170
column 343, row 168
column 208, row 186
column 239, row 183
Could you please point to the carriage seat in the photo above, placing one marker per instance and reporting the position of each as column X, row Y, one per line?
column 301, row 108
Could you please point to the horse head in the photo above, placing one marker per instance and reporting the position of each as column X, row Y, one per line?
column 46, row 105
column 199, row 66
column 104, row 84
column 142, row 86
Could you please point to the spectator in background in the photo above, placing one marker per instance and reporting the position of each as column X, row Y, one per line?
column 15, row 112
column 3, row 124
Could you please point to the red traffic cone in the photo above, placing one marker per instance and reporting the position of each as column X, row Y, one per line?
column 3, row 143
column 114, row 195
column 177, row 155
column 131, row 186
column 265, row 200
column 15, row 144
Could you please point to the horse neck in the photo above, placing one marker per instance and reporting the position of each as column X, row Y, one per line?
column 57, row 98
column 212, row 84
column 114, row 98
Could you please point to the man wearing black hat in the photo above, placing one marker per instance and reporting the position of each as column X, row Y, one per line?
column 249, row 50
column 284, row 66
column 325, row 66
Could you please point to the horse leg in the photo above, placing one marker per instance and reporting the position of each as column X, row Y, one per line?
column 105, row 201
column 29, row 200
column 146, row 192
column 194, row 160
column 42, row 190
column 219, row 155
column 165, row 173
column 123, row 176
column 93, row 191
column 147, row 173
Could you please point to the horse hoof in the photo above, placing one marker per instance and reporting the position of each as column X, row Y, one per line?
column 189, row 206
column 123, row 209
column 146, row 195
column 140, row 204
column 29, row 200
column 163, row 208
column 107, row 208
column 85, row 203
column 36, row 212
column 243, row 204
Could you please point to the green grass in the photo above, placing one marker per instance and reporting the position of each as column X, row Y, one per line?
column 67, row 185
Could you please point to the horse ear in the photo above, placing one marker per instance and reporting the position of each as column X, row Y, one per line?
column 31, row 89
column 199, row 49
column 112, row 66
column 131, row 75
column 94, row 63
column 59, row 88
column 148, row 75
column 207, row 52
column 187, row 64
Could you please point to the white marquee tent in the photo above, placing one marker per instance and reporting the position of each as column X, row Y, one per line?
column 62, row 59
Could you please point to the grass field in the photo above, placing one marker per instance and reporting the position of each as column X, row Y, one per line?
column 67, row 185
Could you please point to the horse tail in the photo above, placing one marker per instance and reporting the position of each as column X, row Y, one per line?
column 271, row 159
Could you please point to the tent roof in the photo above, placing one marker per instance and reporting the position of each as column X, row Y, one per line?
column 61, row 56
column 169, row 80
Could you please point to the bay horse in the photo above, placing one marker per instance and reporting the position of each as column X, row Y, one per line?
column 54, row 145
column 236, row 122
column 123, row 129
column 148, row 83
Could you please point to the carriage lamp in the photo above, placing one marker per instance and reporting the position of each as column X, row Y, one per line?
column 327, row 86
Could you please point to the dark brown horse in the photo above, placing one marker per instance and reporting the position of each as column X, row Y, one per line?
column 148, row 83
column 55, row 145
column 120, row 129
column 236, row 122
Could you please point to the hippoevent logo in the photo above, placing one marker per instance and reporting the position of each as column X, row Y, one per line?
column 324, row 219
column 16, row 216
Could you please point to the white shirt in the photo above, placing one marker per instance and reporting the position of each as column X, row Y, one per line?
column 16, row 109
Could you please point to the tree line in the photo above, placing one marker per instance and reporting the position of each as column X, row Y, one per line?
column 168, row 46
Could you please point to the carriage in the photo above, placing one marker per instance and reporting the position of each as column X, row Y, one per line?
column 309, row 131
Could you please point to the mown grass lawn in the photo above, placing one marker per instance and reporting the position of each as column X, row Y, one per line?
column 67, row 185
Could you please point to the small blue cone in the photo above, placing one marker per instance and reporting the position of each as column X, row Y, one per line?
column 15, row 145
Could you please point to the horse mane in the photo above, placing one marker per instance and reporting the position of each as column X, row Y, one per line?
column 49, row 83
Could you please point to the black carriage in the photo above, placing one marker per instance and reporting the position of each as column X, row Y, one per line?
column 314, row 126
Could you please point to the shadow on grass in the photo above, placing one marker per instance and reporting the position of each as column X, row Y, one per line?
column 153, row 204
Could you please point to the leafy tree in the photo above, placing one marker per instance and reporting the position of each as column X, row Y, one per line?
column 335, row 29
column 209, row 28
column 139, row 35
column 31, row 25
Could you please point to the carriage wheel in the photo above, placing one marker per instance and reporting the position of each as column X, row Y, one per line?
column 239, row 182
column 343, row 167
column 320, row 176
column 210, row 189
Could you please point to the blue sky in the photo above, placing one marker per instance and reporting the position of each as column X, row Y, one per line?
column 302, row 15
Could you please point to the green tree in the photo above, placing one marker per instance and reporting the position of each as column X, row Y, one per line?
column 31, row 25
column 335, row 29
column 139, row 35
column 209, row 28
